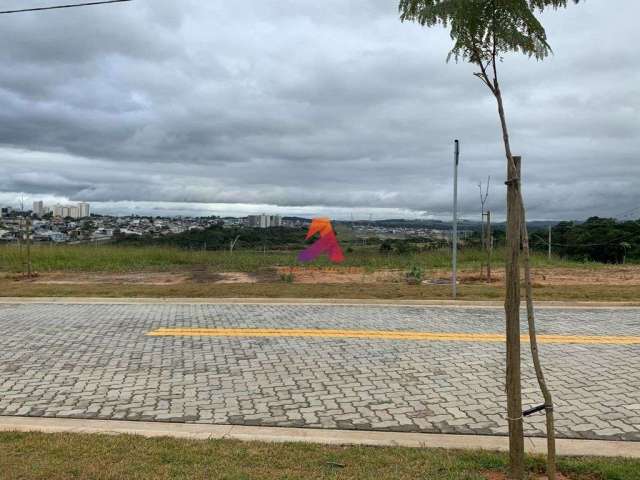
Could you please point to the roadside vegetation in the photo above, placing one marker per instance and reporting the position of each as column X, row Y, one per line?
column 368, row 272
column 117, row 258
column 82, row 456
column 597, row 239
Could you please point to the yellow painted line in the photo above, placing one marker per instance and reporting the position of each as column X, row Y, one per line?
column 385, row 335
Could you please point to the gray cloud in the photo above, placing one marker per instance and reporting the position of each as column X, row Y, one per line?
column 299, row 106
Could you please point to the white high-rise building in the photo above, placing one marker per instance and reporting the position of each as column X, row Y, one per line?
column 264, row 221
column 85, row 209
column 275, row 221
column 81, row 210
column 38, row 207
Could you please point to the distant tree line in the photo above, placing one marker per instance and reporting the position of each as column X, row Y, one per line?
column 605, row 240
column 219, row 238
column 410, row 245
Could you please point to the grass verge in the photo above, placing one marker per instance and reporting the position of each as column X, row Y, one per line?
column 397, row 291
column 82, row 456
column 112, row 258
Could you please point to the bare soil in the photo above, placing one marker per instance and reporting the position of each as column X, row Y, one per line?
column 341, row 275
column 135, row 278
column 541, row 276
column 618, row 275
column 605, row 275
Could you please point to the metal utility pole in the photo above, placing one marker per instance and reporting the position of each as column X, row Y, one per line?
column 454, row 240
column 484, row 194
column 28, row 239
column 21, row 230
column 20, row 239
column 549, row 243
column 489, row 245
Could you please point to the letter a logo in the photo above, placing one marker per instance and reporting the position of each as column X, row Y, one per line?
column 327, row 243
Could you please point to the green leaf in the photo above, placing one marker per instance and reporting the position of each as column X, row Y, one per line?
column 482, row 29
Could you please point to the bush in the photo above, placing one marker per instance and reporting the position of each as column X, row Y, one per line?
column 414, row 275
column 385, row 247
column 287, row 277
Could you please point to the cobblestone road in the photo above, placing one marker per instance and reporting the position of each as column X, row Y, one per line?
column 96, row 361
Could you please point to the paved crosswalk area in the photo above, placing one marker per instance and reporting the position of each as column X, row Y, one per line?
column 98, row 361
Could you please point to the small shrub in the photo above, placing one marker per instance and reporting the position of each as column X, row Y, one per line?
column 385, row 247
column 287, row 277
column 403, row 248
column 414, row 275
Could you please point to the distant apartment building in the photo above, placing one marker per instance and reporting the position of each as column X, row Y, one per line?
column 81, row 210
column 276, row 221
column 38, row 208
column 57, row 211
column 85, row 209
column 253, row 221
column 264, row 221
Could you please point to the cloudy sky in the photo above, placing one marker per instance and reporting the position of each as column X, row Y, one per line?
column 307, row 107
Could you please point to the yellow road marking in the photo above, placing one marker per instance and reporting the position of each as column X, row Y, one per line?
column 386, row 335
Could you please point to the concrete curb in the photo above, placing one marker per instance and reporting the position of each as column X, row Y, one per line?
column 565, row 447
column 309, row 301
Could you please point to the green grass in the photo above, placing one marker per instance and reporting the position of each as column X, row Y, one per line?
column 78, row 456
column 111, row 258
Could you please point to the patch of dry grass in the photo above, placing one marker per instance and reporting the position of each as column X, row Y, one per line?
column 10, row 287
column 77, row 456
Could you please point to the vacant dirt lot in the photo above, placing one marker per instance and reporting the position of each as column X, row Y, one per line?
column 605, row 275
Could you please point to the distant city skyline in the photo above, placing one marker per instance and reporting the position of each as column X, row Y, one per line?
column 166, row 209
column 76, row 211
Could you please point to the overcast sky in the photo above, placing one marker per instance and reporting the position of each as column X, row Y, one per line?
column 307, row 107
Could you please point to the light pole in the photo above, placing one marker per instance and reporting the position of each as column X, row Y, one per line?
column 454, row 242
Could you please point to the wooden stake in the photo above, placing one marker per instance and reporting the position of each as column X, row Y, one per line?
column 512, row 313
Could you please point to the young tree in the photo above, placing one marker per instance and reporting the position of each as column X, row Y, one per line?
column 485, row 230
column 483, row 31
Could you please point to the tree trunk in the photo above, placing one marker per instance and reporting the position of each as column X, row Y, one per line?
column 512, row 311
column 548, row 401
column 512, row 303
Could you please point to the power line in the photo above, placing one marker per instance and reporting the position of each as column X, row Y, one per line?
column 54, row 7
column 626, row 213
column 578, row 245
